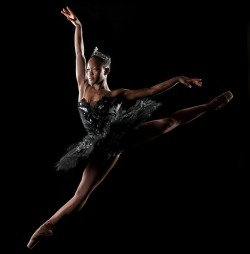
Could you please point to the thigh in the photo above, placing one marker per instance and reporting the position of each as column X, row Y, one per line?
column 148, row 131
column 94, row 173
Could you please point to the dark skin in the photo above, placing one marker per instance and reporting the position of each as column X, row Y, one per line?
column 92, row 84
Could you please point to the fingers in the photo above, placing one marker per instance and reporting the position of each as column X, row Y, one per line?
column 64, row 11
column 69, row 10
column 191, row 81
column 68, row 13
column 197, row 82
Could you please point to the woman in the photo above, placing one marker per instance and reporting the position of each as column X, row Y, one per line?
column 114, row 121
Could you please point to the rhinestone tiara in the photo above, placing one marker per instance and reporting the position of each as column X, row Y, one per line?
column 98, row 53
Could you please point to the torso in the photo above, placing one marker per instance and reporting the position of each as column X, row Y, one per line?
column 92, row 95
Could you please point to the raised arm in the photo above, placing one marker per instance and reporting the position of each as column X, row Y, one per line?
column 79, row 50
column 130, row 95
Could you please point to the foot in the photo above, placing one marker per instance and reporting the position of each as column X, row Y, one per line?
column 42, row 232
column 221, row 100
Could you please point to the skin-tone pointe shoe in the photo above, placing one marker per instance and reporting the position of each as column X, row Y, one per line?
column 44, row 231
column 221, row 100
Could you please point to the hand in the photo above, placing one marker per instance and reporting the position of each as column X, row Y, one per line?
column 69, row 14
column 189, row 81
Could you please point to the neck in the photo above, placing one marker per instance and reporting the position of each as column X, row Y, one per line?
column 101, row 85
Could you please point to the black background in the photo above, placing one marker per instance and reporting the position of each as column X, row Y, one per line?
column 183, row 191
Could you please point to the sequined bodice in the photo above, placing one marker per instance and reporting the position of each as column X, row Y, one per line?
column 93, row 118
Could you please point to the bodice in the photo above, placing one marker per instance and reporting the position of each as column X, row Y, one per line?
column 94, row 118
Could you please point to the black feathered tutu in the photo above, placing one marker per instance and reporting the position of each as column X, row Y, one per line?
column 105, row 127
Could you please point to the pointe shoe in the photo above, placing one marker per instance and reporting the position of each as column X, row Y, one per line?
column 221, row 100
column 45, row 230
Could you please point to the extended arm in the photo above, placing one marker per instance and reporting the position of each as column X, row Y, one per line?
column 130, row 95
column 79, row 50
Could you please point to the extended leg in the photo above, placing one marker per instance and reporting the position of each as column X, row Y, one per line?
column 92, row 176
column 155, row 128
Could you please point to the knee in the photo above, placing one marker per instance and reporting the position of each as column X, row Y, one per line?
column 81, row 197
column 169, row 124
column 80, row 200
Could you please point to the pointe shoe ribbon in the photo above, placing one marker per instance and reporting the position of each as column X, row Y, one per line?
column 42, row 232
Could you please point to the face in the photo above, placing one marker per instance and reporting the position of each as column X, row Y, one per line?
column 96, row 72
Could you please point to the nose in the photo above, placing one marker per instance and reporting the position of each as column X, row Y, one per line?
column 90, row 73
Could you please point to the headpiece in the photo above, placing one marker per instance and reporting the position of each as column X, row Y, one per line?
column 100, row 54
